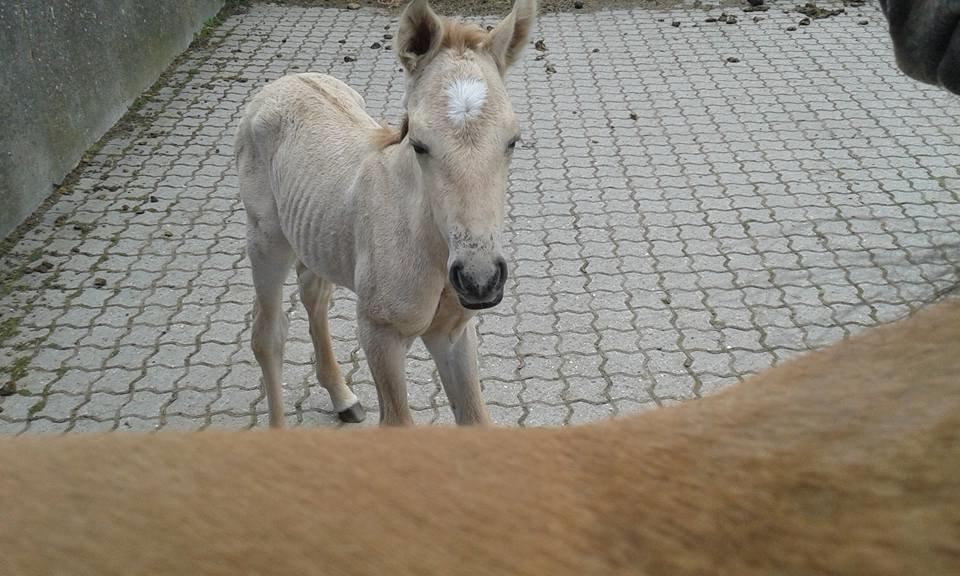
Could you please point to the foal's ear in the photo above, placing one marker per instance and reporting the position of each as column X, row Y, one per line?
column 507, row 40
column 419, row 36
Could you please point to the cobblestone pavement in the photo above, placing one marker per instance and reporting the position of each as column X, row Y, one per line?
column 678, row 220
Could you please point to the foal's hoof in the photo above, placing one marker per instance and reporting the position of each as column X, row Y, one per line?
column 352, row 415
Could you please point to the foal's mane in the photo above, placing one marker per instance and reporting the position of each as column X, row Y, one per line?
column 459, row 35
column 386, row 135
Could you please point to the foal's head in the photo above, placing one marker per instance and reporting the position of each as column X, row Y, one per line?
column 462, row 131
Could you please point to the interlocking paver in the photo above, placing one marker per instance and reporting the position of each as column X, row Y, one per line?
column 676, row 222
column 89, row 425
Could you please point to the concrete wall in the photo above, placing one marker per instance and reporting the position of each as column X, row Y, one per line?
column 68, row 71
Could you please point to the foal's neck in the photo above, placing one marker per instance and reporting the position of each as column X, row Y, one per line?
column 404, row 178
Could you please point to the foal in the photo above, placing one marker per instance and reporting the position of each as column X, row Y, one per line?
column 410, row 221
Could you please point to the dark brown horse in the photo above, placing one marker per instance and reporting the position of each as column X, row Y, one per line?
column 926, row 38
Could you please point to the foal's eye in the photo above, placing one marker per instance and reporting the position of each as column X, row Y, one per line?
column 512, row 144
column 419, row 148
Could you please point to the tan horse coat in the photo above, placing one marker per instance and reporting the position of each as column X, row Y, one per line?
column 845, row 461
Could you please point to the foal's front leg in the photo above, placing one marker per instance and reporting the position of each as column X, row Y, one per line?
column 456, row 359
column 386, row 351
column 315, row 293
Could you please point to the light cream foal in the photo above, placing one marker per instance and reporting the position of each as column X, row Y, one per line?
column 410, row 220
column 845, row 461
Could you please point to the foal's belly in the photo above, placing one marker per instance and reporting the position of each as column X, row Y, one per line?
column 316, row 166
column 333, row 265
column 319, row 227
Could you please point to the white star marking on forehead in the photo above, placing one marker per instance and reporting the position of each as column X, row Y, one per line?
column 465, row 99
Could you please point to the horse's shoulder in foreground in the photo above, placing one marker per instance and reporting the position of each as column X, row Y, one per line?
column 845, row 461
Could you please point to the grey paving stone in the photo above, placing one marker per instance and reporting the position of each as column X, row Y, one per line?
column 181, row 423
column 539, row 415
column 236, row 401
column 137, row 424
column 10, row 428
column 583, row 412
column 224, row 421
column 45, row 426
column 60, row 407
column 84, row 425
column 505, row 416
column 16, row 408
column 145, row 403
column 187, row 402
column 116, row 380
column 674, row 386
column 627, row 407
column 102, row 406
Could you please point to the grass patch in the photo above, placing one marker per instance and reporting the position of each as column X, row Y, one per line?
column 40, row 405
column 230, row 7
column 9, row 328
column 18, row 369
column 202, row 38
column 9, row 283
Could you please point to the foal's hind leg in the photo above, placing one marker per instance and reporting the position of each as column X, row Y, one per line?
column 270, row 260
column 315, row 293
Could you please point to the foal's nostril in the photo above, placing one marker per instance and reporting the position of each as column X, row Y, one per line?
column 456, row 276
column 501, row 272
column 499, row 277
column 495, row 282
